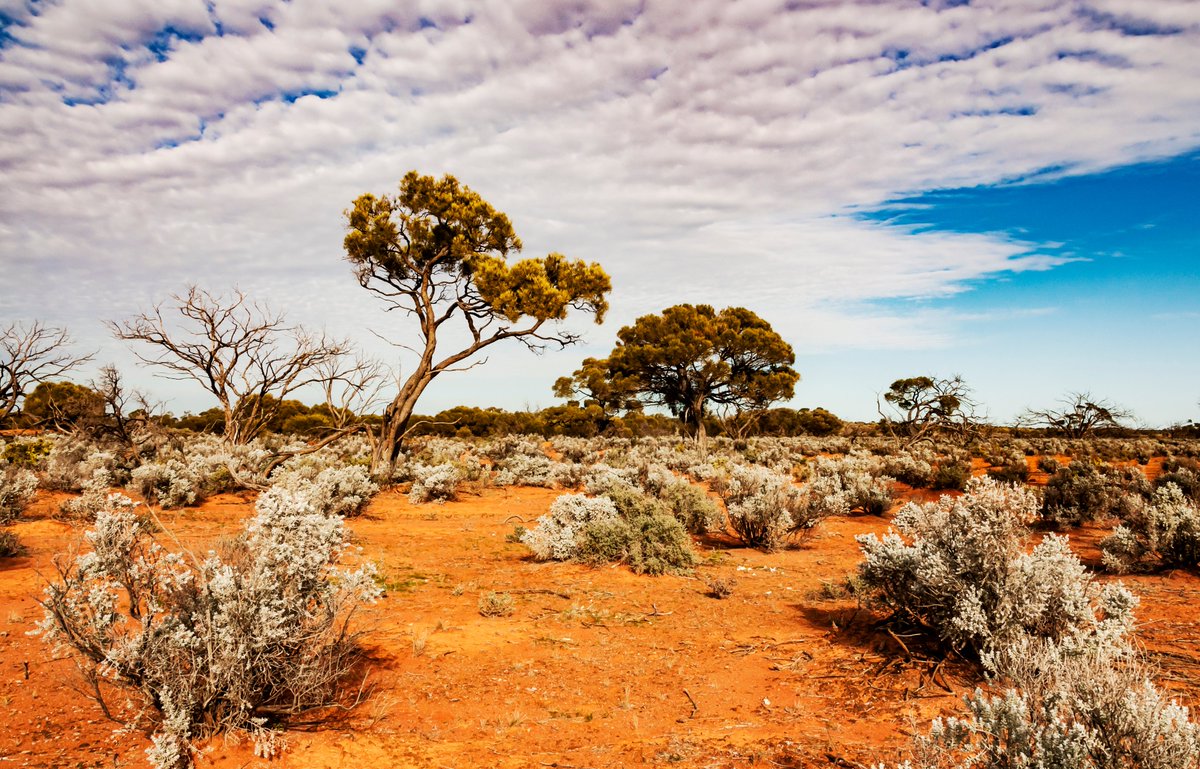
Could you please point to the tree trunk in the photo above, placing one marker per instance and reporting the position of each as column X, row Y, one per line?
column 390, row 439
column 701, row 434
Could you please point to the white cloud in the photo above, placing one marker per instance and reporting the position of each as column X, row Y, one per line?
column 703, row 151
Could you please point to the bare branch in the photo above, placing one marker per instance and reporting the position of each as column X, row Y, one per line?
column 1079, row 415
column 238, row 350
column 29, row 355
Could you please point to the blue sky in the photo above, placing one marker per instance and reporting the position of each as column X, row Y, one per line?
column 1003, row 189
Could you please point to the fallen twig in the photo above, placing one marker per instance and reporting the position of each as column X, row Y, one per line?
column 695, row 707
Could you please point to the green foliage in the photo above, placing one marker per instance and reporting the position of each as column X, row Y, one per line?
column 691, row 358
column 1080, row 492
column 651, row 544
column 693, row 508
column 62, row 405
column 790, row 422
column 437, row 227
column 10, row 546
column 596, row 385
column 659, row 545
column 604, row 541
column 438, row 250
column 623, row 525
column 951, row 475
column 29, row 452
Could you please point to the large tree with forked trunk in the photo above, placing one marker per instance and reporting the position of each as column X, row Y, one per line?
column 438, row 251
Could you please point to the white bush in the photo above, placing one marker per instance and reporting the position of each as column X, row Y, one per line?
column 340, row 490
column 172, row 483
column 1165, row 531
column 74, row 462
column 1066, row 707
column 93, row 499
column 965, row 576
column 853, row 483
column 555, row 537
column 18, row 487
column 761, row 503
column 438, row 483
column 602, row 478
column 232, row 642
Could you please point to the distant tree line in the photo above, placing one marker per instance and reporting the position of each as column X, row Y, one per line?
column 69, row 406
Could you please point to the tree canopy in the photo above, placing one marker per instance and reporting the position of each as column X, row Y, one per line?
column 693, row 360
column 924, row 404
column 1079, row 415
column 438, row 251
column 594, row 383
column 62, row 405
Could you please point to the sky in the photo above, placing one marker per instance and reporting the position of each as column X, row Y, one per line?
column 1007, row 191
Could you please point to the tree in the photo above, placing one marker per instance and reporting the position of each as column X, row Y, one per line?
column 594, row 383
column 692, row 359
column 63, row 405
column 240, row 351
column 1079, row 415
column 31, row 355
column 788, row 422
column 922, row 405
column 127, row 416
column 438, row 251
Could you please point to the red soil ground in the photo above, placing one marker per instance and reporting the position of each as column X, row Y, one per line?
column 594, row 668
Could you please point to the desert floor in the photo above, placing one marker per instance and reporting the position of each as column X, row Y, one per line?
column 596, row 667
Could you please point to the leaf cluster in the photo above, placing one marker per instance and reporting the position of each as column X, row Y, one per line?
column 691, row 358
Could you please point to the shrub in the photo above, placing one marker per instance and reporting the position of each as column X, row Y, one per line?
column 863, row 487
column 1066, row 707
column 909, row 469
column 602, row 478
column 720, row 587
column 597, row 530
column 1078, row 493
column 1188, row 481
column 345, row 490
column 228, row 643
column 438, row 483
column 521, row 469
column 30, row 453
column 952, row 475
column 1048, row 464
column 93, row 499
column 10, row 546
column 760, row 504
column 966, row 578
column 855, row 485
column 603, row 541
column 1165, row 531
column 554, row 538
column 659, row 544
column 18, row 487
column 75, row 460
column 1012, row 470
column 492, row 604
column 167, row 484
column 698, row 513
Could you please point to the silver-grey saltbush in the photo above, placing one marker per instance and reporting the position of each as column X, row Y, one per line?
column 232, row 641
